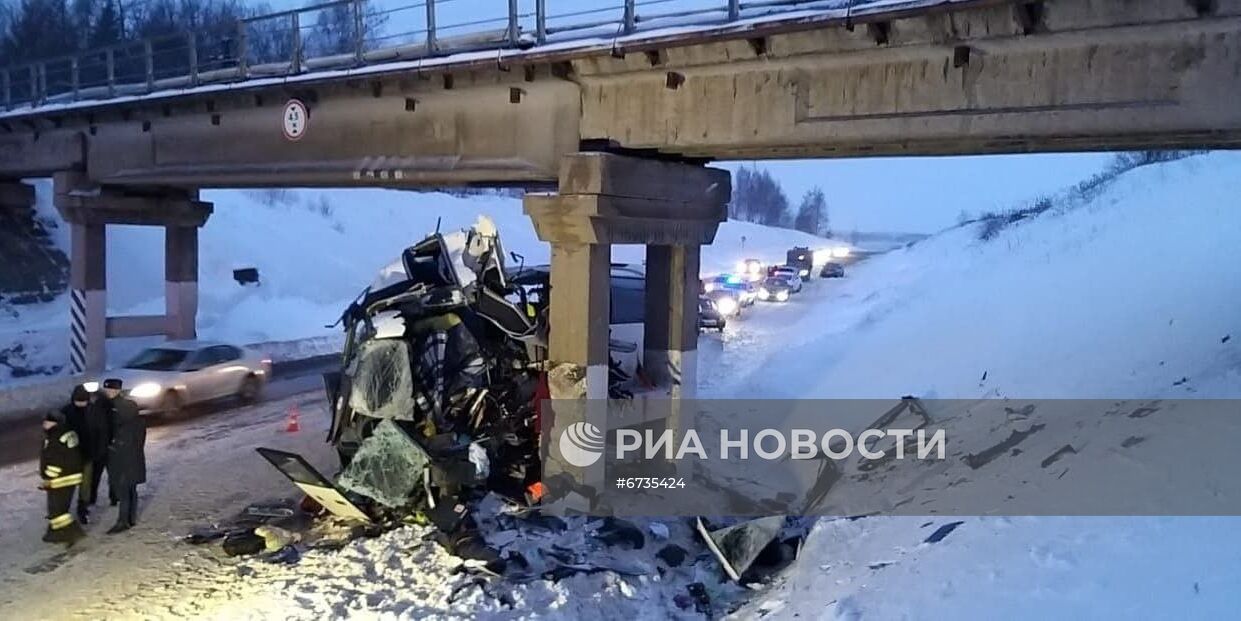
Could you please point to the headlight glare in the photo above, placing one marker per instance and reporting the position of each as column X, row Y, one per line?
column 145, row 390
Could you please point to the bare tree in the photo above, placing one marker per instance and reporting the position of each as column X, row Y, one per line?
column 758, row 197
column 812, row 216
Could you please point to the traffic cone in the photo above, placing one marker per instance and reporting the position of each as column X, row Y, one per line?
column 291, row 423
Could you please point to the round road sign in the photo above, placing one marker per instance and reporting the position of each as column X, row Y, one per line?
column 295, row 119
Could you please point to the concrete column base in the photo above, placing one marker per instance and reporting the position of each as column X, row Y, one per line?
column 88, row 298
column 675, row 371
column 181, row 281
column 580, row 298
column 88, row 330
column 181, row 304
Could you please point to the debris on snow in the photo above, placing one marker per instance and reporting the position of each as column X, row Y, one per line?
column 942, row 532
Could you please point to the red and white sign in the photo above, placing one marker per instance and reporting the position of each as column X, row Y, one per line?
column 295, row 119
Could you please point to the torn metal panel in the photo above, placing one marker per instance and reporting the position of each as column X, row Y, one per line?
column 736, row 547
column 315, row 485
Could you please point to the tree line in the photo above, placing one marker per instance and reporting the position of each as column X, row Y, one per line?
column 759, row 198
column 36, row 30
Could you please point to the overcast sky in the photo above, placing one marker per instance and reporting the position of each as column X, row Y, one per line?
column 925, row 194
column 886, row 194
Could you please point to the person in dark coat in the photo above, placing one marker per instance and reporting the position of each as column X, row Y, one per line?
column 60, row 468
column 91, row 425
column 100, row 417
column 126, row 454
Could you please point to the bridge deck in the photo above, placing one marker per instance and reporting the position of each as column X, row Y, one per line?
column 25, row 90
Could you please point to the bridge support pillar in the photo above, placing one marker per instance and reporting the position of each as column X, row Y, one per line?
column 89, row 209
column 604, row 199
column 181, row 281
column 670, row 337
column 88, row 297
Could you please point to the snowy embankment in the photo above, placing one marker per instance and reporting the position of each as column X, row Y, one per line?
column 1130, row 295
column 315, row 251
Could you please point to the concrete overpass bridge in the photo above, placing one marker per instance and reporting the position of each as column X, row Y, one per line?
column 619, row 116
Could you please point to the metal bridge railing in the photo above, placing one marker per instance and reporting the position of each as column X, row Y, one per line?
column 310, row 39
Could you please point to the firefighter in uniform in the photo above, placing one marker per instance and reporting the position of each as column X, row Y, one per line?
column 60, row 466
column 91, row 425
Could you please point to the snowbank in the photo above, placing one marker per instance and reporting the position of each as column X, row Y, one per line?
column 1131, row 295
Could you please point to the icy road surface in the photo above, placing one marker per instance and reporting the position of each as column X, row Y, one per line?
column 206, row 470
column 197, row 473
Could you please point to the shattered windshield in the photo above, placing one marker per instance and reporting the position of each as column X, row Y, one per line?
column 389, row 467
column 382, row 385
column 158, row 359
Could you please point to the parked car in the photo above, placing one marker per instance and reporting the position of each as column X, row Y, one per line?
column 775, row 289
column 790, row 274
column 727, row 302
column 709, row 316
column 627, row 301
column 175, row 374
column 832, row 270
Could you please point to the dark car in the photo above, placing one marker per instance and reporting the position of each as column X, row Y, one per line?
column 709, row 317
column 801, row 259
column 832, row 270
column 727, row 302
column 775, row 289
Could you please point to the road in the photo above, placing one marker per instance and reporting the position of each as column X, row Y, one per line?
column 21, row 441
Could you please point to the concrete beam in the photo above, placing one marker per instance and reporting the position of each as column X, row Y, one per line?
column 39, row 152
column 594, row 219
column 612, row 199
column 976, row 78
column 137, row 325
column 614, row 175
column 80, row 200
column 402, row 133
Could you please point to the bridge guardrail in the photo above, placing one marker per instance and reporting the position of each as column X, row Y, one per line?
column 305, row 40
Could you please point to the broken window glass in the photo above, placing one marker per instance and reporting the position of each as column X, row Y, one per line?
column 383, row 385
column 388, row 467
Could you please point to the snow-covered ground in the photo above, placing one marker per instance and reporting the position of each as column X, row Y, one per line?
column 1131, row 296
column 315, row 251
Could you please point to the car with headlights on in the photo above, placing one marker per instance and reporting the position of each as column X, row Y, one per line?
column 175, row 374
column 727, row 302
column 775, row 289
column 745, row 292
column 791, row 274
column 751, row 270
column 709, row 315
